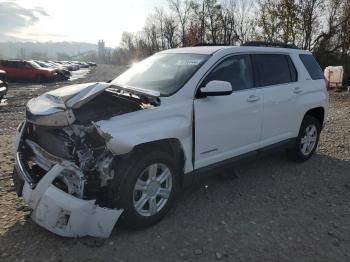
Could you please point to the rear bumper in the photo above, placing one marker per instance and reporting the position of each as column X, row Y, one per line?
column 58, row 211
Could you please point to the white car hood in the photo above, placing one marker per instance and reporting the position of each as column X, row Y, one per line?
column 54, row 108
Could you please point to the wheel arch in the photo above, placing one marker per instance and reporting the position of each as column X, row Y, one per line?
column 171, row 145
column 318, row 113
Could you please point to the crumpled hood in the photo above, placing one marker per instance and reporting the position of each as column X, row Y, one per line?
column 73, row 96
column 60, row 102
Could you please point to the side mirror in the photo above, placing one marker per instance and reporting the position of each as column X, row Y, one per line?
column 216, row 88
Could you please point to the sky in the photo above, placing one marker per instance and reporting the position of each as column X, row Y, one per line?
column 73, row 20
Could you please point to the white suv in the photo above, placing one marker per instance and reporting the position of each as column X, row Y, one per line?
column 88, row 153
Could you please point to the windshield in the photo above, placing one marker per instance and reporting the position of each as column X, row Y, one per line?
column 34, row 65
column 165, row 73
column 41, row 64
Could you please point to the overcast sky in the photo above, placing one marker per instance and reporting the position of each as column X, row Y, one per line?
column 73, row 20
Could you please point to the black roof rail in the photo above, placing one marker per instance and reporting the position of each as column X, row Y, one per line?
column 207, row 44
column 270, row 44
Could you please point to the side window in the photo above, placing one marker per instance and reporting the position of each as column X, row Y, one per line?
column 26, row 65
column 12, row 64
column 312, row 66
column 273, row 69
column 236, row 69
column 21, row 65
column 6, row 63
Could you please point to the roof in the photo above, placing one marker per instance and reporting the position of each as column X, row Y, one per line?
column 12, row 60
column 209, row 50
column 204, row 50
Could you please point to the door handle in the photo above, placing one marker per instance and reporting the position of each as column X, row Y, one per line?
column 253, row 98
column 297, row 90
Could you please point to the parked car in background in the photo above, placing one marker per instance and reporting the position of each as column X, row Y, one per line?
column 62, row 73
column 92, row 63
column 3, row 84
column 84, row 65
column 65, row 65
column 58, row 65
column 18, row 70
column 75, row 66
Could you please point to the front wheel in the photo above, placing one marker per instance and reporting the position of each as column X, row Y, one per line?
column 307, row 140
column 40, row 79
column 146, row 188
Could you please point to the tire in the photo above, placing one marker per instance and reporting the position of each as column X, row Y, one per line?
column 40, row 79
column 305, row 146
column 123, row 193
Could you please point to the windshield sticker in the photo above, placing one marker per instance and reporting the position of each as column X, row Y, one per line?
column 188, row 62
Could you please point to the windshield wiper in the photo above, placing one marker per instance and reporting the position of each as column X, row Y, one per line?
column 137, row 90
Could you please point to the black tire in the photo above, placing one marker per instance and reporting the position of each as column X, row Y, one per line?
column 40, row 79
column 296, row 152
column 121, row 190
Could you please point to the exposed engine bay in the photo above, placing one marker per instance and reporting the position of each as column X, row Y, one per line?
column 78, row 144
column 60, row 148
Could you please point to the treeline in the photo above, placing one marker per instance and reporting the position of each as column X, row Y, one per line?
column 321, row 26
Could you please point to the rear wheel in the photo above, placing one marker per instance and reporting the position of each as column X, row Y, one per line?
column 146, row 187
column 307, row 140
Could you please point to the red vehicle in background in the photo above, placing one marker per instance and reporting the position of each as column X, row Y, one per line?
column 3, row 84
column 26, row 70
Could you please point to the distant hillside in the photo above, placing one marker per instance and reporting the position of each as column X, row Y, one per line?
column 49, row 50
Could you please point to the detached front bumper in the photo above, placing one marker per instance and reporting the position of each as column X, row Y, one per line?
column 58, row 211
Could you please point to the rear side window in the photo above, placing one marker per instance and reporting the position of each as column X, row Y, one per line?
column 312, row 66
column 12, row 64
column 5, row 63
column 274, row 69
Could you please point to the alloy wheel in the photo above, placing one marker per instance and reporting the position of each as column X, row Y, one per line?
column 309, row 139
column 152, row 189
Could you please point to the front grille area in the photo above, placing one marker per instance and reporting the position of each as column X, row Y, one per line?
column 54, row 141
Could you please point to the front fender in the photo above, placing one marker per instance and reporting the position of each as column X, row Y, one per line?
column 123, row 133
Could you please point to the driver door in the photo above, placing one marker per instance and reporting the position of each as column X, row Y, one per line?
column 230, row 125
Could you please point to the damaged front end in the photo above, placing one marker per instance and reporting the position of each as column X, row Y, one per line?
column 63, row 166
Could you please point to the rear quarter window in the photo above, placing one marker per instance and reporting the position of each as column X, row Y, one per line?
column 312, row 66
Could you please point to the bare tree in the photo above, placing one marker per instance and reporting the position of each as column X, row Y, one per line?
column 170, row 31
column 268, row 20
column 289, row 20
column 182, row 9
column 160, row 16
column 199, row 17
column 329, row 39
column 244, row 22
column 310, row 16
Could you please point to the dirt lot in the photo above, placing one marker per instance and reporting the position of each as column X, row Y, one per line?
column 272, row 210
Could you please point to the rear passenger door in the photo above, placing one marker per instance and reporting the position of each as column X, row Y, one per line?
column 277, row 77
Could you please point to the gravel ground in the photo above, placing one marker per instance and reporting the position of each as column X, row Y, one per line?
column 270, row 210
